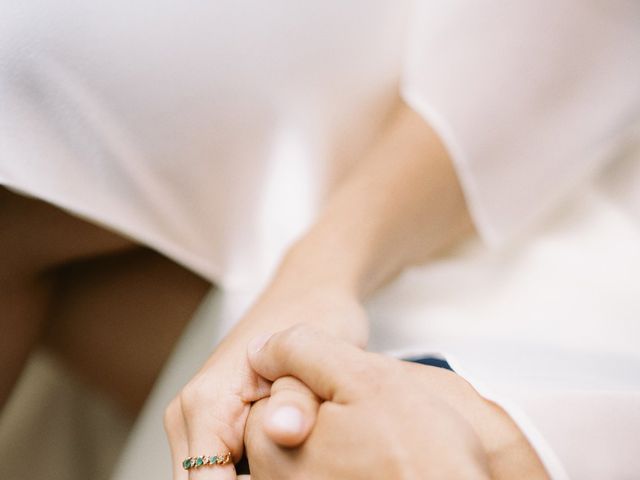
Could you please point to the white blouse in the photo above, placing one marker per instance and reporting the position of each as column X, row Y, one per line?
column 212, row 132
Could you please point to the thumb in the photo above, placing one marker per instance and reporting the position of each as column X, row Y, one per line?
column 291, row 412
column 323, row 363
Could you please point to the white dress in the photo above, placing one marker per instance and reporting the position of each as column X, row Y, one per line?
column 212, row 132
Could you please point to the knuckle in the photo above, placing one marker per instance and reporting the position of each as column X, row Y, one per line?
column 284, row 349
column 289, row 342
column 290, row 337
column 287, row 389
column 289, row 384
column 193, row 397
column 172, row 414
column 297, row 334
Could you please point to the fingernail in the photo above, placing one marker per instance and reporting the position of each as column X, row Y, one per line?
column 257, row 343
column 287, row 419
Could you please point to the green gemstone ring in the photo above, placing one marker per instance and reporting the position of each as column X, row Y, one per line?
column 197, row 462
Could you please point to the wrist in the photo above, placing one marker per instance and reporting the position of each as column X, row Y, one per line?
column 316, row 265
column 289, row 300
column 338, row 262
column 325, row 306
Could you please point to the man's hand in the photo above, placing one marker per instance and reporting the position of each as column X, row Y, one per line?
column 380, row 418
column 376, row 421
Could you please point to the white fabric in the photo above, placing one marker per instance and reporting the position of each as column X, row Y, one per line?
column 532, row 98
column 212, row 132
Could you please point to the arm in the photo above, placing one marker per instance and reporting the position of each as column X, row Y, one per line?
column 400, row 205
column 403, row 202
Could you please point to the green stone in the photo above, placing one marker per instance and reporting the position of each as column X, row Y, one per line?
column 213, row 459
column 199, row 462
column 186, row 464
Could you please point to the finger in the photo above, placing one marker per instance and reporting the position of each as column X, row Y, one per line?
column 176, row 430
column 266, row 459
column 210, row 436
column 205, row 442
column 291, row 412
column 321, row 362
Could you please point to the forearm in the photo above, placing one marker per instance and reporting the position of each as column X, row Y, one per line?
column 400, row 205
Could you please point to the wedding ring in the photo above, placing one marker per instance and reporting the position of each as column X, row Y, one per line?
column 205, row 460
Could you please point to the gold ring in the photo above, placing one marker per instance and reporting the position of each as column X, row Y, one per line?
column 205, row 460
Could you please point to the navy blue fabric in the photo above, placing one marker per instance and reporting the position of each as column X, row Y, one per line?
column 432, row 362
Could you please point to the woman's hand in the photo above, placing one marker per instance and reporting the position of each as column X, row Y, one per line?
column 381, row 418
column 398, row 207
column 208, row 416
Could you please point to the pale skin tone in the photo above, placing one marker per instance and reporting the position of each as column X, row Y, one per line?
column 399, row 207
column 89, row 295
column 380, row 418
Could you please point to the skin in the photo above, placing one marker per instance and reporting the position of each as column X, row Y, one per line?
column 438, row 427
column 86, row 293
column 399, row 207
column 88, row 296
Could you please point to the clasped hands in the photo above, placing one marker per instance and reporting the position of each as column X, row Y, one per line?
column 324, row 409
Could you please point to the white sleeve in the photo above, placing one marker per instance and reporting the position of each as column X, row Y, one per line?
column 530, row 97
column 579, row 411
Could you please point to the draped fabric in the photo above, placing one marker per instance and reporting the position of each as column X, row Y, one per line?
column 212, row 132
